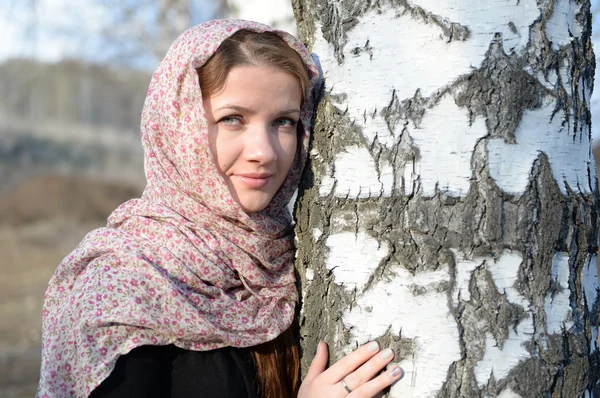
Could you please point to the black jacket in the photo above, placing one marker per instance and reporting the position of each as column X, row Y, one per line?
column 172, row 372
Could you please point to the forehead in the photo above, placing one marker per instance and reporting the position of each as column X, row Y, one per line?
column 252, row 83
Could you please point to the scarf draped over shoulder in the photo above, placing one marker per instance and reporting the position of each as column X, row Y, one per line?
column 183, row 264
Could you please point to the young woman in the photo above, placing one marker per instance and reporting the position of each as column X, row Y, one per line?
column 190, row 291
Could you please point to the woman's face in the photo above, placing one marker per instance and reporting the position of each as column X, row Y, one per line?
column 252, row 132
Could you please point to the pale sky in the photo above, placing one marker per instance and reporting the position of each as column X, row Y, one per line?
column 52, row 20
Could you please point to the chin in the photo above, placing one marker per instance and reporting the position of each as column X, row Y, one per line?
column 254, row 205
column 253, row 209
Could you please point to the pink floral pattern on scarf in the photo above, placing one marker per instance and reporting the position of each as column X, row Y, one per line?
column 183, row 264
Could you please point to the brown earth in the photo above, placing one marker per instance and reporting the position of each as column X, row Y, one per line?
column 78, row 199
column 41, row 220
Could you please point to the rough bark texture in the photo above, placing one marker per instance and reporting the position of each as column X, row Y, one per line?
column 501, row 276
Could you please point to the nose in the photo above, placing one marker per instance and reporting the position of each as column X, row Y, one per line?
column 260, row 146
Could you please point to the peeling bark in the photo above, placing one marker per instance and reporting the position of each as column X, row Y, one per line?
column 450, row 207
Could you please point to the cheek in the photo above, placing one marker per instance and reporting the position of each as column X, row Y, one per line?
column 212, row 143
column 219, row 149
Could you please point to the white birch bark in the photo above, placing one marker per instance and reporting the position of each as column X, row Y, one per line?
column 450, row 209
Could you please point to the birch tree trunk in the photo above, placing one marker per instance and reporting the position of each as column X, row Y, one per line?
column 450, row 209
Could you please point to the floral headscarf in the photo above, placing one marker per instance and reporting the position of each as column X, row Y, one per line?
column 183, row 264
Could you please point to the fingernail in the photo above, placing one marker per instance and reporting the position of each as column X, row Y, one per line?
column 373, row 346
column 387, row 353
column 318, row 347
column 396, row 371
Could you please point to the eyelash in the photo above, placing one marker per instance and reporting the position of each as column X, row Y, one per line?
column 292, row 122
column 227, row 120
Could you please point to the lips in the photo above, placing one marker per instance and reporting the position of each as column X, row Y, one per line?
column 254, row 180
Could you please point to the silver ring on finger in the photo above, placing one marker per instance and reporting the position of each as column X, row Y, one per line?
column 343, row 382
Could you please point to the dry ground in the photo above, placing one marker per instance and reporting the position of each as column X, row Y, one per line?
column 41, row 220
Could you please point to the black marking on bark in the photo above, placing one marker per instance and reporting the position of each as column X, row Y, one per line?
column 493, row 307
column 366, row 48
column 338, row 18
column 398, row 110
column 450, row 30
column 500, row 90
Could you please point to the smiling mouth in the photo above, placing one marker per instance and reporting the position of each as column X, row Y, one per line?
column 254, row 181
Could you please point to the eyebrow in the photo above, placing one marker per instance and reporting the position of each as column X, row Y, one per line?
column 247, row 110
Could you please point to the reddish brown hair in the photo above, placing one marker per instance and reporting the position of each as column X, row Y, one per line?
column 277, row 362
column 277, row 365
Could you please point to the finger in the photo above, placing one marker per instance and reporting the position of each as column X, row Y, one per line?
column 375, row 386
column 350, row 362
column 319, row 362
column 368, row 370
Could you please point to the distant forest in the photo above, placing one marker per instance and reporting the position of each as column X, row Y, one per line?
column 73, row 92
column 70, row 118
